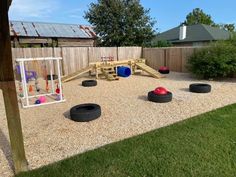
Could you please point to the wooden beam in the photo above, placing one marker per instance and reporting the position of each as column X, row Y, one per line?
column 9, row 3
column 35, row 40
column 7, row 84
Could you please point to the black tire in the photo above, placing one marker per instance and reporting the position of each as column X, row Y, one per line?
column 159, row 98
column 164, row 71
column 200, row 88
column 54, row 77
column 85, row 112
column 89, row 83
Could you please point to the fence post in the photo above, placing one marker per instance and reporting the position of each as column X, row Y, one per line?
column 117, row 53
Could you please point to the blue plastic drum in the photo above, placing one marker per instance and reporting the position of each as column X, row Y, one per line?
column 123, row 71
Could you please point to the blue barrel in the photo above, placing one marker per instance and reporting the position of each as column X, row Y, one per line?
column 123, row 71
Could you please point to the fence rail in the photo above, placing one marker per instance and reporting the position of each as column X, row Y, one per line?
column 76, row 58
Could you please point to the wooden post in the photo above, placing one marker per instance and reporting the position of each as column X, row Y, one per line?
column 7, row 84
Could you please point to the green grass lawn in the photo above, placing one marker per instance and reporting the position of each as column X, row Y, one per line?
column 201, row 146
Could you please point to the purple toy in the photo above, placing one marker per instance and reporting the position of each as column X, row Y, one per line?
column 28, row 74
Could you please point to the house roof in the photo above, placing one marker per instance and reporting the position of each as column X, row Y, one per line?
column 195, row 33
column 40, row 29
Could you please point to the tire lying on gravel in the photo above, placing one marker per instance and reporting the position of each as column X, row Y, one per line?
column 167, row 71
column 89, row 83
column 54, row 77
column 200, row 88
column 159, row 98
column 85, row 112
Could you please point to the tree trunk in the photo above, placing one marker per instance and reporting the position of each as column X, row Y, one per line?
column 7, row 84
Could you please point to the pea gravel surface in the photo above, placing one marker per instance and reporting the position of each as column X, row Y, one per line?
column 50, row 135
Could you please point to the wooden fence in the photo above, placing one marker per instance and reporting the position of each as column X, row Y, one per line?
column 173, row 57
column 76, row 58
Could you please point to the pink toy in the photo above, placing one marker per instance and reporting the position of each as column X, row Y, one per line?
column 163, row 68
column 42, row 99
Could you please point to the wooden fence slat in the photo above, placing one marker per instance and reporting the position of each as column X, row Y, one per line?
column 95, row 53
column 125, row 53
column 155, row 57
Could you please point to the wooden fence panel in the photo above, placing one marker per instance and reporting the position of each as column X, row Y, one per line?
column 174, row 59
column 37, row 66
column 95, row 53
column 74, row 59
column 155, row 57
column 125, row 53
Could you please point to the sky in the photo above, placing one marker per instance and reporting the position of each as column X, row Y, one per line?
column 168, row 13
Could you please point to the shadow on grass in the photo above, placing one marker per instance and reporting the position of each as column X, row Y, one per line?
column 6, row 149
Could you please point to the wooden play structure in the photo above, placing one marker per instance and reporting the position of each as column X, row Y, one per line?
column 108, row 69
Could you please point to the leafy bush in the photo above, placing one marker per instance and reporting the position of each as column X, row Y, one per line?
column 155, row 43
column 217, row 60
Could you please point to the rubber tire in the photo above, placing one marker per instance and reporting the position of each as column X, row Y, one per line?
column 54, row 77
column 164, row 71
column 200, row 88
column 89, row 83
column 85, row 112
column 159, row 98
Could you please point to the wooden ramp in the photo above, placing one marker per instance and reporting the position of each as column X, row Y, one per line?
column 149, row 70
column 76, row 74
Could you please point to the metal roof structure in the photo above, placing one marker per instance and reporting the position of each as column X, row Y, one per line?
column 195, row 33
column 40, row 29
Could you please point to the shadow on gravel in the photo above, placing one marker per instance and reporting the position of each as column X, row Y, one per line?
column 6, row 149
column 143, row 97
column 184, row 89
column 67, row 114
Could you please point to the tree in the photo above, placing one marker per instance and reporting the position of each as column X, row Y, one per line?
column 229, row 27
column 197, row 16
column 121, row 22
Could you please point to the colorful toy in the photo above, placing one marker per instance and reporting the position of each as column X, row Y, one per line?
column 50, row 63
column 42, row 99
column 30, row 88
column 37, row 102
column 28, row 74
column 57, row 90
column 164, row 70
column 123, row 71
column 58, row 98
column 160, row 91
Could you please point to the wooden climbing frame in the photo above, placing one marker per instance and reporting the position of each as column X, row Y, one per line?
column 108, row 69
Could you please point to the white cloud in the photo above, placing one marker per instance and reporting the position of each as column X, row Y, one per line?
column 76, row 13
column 25, row 9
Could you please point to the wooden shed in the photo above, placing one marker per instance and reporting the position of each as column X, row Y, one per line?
column 39, row 34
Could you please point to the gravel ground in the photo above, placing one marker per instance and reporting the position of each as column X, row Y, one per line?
column 49, row 134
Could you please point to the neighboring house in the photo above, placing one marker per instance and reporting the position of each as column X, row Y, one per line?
column 38, row 34
column 194, row 35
